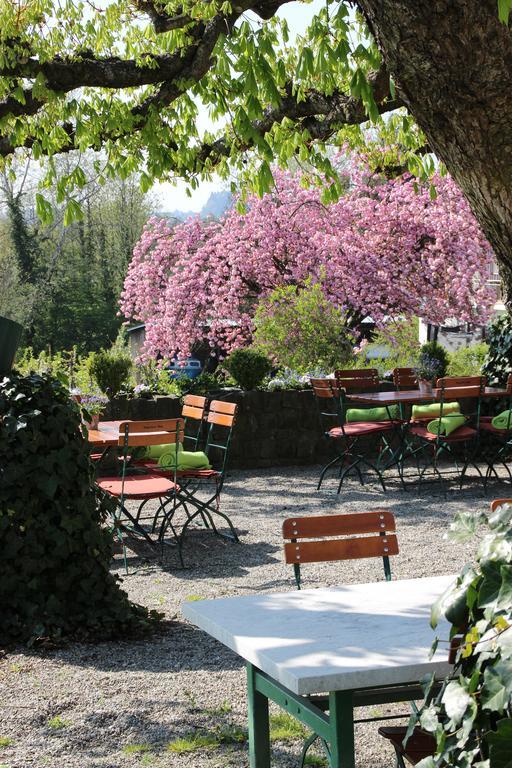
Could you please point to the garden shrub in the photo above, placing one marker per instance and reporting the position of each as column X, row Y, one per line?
column 467, row 361
column 299, row 328
column 247, row 367
column 55, row 552
column 398, row 339
column 498, row 363
column 471, row 717
column 111, row 371
column 434, row 351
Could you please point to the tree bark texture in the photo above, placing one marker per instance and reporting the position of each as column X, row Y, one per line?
column 451, row 61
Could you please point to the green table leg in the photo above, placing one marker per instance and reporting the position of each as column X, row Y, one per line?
column 341, row 716
column 259, row 729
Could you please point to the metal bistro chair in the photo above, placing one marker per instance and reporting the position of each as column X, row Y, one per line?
column 332, row 406
column 497, row 442
column 434, row 446
column 144, row 485
column 220, row 418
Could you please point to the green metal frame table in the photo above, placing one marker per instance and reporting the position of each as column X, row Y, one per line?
column 362, row 644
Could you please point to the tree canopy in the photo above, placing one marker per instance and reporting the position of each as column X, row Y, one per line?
column 129, row 76
column 384, row 249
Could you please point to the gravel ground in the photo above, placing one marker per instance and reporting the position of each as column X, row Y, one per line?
column 126, row 704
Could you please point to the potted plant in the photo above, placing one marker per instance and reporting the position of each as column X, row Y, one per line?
column 427, row 370
column 92, row 407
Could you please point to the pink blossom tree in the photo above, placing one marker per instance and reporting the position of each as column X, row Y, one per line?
column 385, row 249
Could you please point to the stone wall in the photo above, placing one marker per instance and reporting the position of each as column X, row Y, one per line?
column 272, row 428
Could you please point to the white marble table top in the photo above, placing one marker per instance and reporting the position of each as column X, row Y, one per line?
column 346, row 638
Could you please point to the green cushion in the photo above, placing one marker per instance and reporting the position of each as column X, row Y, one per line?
column 447, row 424
column 186, row 460
column 155, row 451
column 373, row 414
column 434, row 409
column 503, row 420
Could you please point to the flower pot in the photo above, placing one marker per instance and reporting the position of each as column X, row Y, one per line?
column 425, row 386
column 10, row 335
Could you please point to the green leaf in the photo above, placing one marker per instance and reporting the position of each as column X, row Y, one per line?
column 44, row 209
column 501, row 745
column 504, row 8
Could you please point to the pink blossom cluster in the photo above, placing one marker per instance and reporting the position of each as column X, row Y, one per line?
column 384, row 249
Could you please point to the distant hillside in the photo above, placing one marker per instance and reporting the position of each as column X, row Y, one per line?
column 217, row 204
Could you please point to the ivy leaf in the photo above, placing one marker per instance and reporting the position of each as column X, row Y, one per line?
column 501, row 745
column 494, row 694
column 456, row 700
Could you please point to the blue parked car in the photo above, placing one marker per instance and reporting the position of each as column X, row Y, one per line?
column 191, row 367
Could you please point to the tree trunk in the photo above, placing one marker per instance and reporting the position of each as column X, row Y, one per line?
column 451, row 61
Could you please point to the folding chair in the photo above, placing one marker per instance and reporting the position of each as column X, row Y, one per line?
column 332, row 406
column 193, row 413
column 433, row 446
column 317, row 539
column 220, row 418
column 141, row 484
column 497, row 442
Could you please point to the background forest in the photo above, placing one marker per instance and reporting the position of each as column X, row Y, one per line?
column 62, row 283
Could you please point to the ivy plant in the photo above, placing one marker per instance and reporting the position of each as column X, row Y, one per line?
column 498, row 363
column 56, row 550
column 471, row 717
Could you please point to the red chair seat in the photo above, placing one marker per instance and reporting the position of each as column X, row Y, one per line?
column 357, row 428
column 459, row 435
column 486, row 426
column 138, row 486
column 419, row 745
column 197, row 473
column 95, row 456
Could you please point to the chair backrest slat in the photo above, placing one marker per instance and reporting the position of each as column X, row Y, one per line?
column 405, row 378
column 150, row 432
column 341, row 549
column 316, row 526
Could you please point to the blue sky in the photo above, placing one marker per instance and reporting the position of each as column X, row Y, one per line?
column 172, row 196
